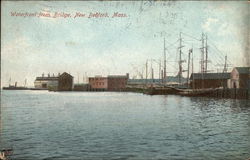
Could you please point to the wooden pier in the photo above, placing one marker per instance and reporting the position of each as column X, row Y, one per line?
column 210, row 92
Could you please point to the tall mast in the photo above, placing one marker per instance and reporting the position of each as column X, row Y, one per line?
column 193, row 69
column 10, row 81
column 190, row 51
column 164, row 70
column 77, row 77
column 142, row 73
column 86, row 77
column 202, row 60
column 180, row 60
column 206, row 60
column 146, row 71
column 162, row 78
column 152, row 70
column 202, row 54
column 25, row 82
column 225, row 65
column 159, row 70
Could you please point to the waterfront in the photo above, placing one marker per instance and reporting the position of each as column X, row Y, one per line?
column 113, row 125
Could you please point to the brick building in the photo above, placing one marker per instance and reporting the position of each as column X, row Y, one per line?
column 109, row 83
column 117, row 83
column 98, row 83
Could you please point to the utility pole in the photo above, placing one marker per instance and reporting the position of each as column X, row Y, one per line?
column 190, row 51
column 164, row 70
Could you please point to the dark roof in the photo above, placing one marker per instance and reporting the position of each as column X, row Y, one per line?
column 97, row 77
column 210, row 76
column 46, row 78
column 52, row 78
column 65, row 74
column 243, row 70
column 117, row 76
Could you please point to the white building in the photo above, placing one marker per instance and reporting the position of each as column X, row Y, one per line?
column 46, row 82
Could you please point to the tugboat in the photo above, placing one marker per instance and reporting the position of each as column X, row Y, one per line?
column 15, row 87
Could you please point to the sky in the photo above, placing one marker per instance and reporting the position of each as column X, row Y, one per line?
column 32, row 43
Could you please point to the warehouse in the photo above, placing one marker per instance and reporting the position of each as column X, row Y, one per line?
column 61, row 82
column 209, row 80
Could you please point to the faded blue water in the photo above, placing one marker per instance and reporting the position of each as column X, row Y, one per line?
column 109, row 125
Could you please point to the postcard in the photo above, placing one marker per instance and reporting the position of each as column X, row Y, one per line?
column 132, row 80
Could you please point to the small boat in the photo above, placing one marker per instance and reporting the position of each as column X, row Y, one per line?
column 198, row 92
column 161, row 91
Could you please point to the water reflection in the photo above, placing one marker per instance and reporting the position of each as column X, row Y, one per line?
column 124, row 125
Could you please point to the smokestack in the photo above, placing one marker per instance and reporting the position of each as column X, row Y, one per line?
column 127, row 75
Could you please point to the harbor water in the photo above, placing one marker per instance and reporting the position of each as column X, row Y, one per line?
column 119, row 125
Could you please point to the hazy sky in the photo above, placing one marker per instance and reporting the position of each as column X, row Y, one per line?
column 32, row 45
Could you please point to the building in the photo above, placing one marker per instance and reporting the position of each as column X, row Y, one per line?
column 117, row 82
column 62, row 82
column 65, row 82
column 109, row 83
column 98, row 83
column 240, row 78
column 209, row 80
column 82, row 87
column 44, row 82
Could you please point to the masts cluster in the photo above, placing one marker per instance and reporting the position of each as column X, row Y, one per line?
column 181, row 60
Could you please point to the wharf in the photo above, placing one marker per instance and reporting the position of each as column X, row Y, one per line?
column 21, row 88
column 167, row 90
column 209, row 92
